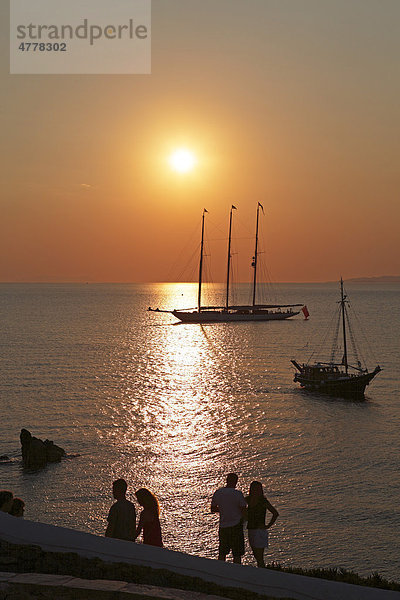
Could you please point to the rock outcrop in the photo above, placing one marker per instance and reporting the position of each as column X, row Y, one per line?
column 37, row 453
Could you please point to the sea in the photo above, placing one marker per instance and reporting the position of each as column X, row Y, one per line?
column 175, row 407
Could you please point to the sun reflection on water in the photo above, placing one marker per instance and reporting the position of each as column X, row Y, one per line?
column 172, row 418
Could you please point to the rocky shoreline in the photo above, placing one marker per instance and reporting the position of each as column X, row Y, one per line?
column 32, row 559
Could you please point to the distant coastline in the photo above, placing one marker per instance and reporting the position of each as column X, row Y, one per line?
column 383, row 279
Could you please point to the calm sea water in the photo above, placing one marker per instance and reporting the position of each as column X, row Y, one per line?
column 175, row 407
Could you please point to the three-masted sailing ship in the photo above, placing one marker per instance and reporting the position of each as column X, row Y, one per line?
column 230, row 312
column 340, row 379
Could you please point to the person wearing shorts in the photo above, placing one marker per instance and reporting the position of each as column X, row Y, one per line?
column 258, row 505
column 231, row 506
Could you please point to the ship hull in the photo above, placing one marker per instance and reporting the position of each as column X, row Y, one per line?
column 345, row 386
column 229, row 317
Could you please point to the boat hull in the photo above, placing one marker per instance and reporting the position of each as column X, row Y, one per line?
column 345, row 386
column 229, row 317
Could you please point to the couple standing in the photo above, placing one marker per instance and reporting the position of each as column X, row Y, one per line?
column 122, row 516
column 233, row 509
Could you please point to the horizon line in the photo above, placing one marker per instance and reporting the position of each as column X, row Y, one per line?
column 378, row 278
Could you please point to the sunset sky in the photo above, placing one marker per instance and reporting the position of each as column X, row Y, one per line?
column 291, row 103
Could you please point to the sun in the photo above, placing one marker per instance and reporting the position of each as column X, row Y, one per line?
column 182, row 160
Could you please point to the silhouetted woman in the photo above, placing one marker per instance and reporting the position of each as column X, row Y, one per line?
column 149, row 521
column 17, row 508
column 258, row 505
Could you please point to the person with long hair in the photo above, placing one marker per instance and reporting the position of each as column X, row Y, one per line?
column 149, row 521
column 257, row 507
column 17, row 508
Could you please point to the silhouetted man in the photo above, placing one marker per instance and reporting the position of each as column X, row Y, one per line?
column 231, row 506
column 122, row 516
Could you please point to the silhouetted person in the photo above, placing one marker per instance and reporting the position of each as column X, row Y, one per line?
column 149, row 521
column 17, row 508
column 257, row 529
column 122, row 516
column 6, row 500
column 231, row 506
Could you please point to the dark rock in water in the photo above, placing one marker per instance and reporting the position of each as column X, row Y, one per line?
column 33, row 450
column 36, row 453
column 53, row 453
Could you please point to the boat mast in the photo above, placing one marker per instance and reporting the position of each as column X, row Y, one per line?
column 342, row 305
column 254, row 263
column 229, row 258
column 201, row 261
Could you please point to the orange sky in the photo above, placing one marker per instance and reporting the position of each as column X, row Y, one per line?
column 293, row 103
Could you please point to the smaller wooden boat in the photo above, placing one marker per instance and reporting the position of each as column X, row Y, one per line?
column 337, row 379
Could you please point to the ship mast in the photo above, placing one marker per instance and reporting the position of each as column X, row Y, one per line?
column 229, row 258
column 254, row 263
column 201, row 261
column 343, row 308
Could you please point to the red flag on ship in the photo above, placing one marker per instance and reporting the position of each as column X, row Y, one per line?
column 305, row 312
